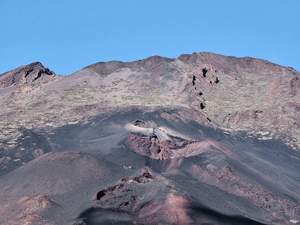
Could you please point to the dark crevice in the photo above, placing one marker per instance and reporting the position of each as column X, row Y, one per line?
column 202, row 106
column 38, row 75
column 193, row 81
column 204, row 71
column 27, row 72
column 41, row 71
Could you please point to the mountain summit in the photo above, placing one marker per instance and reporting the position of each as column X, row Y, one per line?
column 200, row 139
column 32, row 74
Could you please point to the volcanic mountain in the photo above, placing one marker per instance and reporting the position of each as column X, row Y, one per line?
column 200, row 139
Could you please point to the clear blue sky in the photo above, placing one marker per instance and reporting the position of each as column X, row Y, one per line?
column 67, row 35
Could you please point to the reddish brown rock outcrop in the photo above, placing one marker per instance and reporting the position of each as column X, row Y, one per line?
column 32, row 74
column 168, row 149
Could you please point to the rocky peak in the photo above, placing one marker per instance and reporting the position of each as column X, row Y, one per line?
column 31, row 74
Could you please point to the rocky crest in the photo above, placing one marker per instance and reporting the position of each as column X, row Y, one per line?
column 32, row 74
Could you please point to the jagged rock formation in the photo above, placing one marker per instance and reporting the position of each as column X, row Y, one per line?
column 166, row 149
column 32, row 74
column 200, row 139
column 168, row 206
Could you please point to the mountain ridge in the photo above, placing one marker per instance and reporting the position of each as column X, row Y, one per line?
column 203, row 81
column 26, row 75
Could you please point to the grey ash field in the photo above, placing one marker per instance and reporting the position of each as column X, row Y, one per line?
column 200, row 139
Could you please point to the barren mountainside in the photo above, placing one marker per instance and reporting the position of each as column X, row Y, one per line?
column 200, row 139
